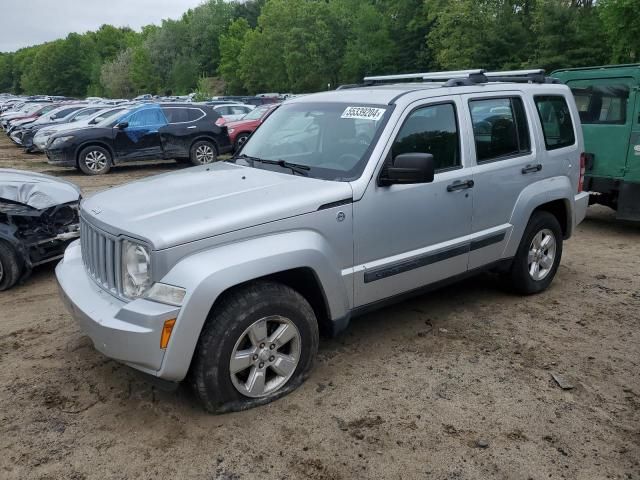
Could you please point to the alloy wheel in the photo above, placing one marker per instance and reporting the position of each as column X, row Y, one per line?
column 95, row 161
column 205, row 154
column 542, row 254
column 265, row 356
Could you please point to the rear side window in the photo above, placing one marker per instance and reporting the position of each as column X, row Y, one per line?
column 195, row 114
column 176, row 115
column 433, row 130
column 500, row 128
column 602, row 103
column 556, row 121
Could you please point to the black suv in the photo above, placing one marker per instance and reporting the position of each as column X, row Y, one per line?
column 146, row 132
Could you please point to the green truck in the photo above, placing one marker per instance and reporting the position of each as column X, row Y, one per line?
column 609, row 104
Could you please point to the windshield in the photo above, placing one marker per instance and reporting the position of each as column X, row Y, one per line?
column 256, row 114
column 333, row 140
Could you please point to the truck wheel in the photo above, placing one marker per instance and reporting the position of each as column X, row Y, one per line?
column 538, row 256
column 94, row 160
column 9, row 267
column 258, row 345
column 203, row 152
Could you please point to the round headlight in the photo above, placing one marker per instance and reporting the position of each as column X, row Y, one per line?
column 136, row 269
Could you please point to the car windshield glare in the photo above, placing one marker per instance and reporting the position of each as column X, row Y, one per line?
column 255, row 114
column 333, row 139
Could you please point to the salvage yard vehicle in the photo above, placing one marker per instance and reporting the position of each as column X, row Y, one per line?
column 23, row 136
column 609, row 106
column 147, row 132
column 241, row 130
column 86, row 117
column 232, row 111
column 341, row 202
column 38, row 220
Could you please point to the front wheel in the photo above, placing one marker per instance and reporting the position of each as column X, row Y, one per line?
column 258, row 345
column 203, row 152
column 9, row 267
column 538, row 257
column 95, row 160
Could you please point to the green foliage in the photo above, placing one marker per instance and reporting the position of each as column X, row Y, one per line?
column 308, row 45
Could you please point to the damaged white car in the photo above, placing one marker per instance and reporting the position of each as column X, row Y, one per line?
column 38, row 219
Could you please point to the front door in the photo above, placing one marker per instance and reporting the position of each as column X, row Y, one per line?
column 408, row 236
column 140, row 139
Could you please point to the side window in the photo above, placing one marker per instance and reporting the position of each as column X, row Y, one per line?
column 499, row 128
column 433, row 130
column 556, row 121
column 176, row 114
column 147, row 118
column 223, row 110
column 602, row 103
column 239, row 110
column 195, row 114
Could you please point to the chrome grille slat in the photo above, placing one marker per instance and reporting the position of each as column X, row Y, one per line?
column 101, row 257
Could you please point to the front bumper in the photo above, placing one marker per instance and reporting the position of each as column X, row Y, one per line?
column 62, row 157
column 127, row 332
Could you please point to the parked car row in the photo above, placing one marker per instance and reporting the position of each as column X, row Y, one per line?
column 93, row 135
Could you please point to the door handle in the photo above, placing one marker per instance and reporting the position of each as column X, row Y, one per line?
column 459, row 185
column 531, row 169
column 193, row 126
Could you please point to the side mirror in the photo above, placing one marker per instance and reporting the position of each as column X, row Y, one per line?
column 408, row 168
column 122, row 125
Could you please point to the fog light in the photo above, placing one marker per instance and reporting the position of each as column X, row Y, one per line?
column 166, row 332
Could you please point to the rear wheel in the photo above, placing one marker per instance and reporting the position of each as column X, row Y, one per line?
column 203, row 152
column 539, row 254
column 9, row 266
column 258, row 345
column 95, row 160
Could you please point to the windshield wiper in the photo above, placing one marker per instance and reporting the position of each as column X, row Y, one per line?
column 294, row 167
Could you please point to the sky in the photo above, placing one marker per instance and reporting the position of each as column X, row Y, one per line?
column 30, row 22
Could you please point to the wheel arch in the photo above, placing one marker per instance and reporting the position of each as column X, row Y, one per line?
column 206, row 138
column 95, row 143
column 554, row 195
column 208, row 276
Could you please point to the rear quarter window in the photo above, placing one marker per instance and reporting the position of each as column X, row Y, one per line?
column 555, row 118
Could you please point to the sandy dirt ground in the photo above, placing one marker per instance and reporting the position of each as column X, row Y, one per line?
column 452, row 385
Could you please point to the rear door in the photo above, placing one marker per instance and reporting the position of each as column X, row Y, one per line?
column 505, row 163
column 607, row 111
column 182, row 128
column 632, row 173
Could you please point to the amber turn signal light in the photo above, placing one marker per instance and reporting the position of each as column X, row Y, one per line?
column 166, row 332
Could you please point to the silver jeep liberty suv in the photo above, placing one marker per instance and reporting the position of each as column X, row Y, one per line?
column 340, row 202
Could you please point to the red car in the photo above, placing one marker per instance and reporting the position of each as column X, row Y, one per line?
column 240, row 130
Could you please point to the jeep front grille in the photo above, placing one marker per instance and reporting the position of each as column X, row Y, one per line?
column 101, row 257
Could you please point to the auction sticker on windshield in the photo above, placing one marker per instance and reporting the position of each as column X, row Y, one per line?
column 363, row 113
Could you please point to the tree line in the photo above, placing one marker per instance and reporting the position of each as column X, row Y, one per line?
column 310, row 45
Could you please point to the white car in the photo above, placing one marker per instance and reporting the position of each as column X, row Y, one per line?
column 232, row 111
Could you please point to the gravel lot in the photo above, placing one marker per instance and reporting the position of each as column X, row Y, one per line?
column 452, row 385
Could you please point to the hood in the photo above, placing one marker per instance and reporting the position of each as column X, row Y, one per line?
column 35, row 189
column 67, row 126
column 200, row 202
column 241, row 123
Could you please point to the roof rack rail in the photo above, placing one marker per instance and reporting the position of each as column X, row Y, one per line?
column 467, row 77
column 426, row 76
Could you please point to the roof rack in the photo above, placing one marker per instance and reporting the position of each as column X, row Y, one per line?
column 467, row 77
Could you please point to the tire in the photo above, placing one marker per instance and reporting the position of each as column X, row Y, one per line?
column 95, row 160
column 9, row 267
column 235, row 325
column 203, row 152
column 524, row 277
column 240, row 141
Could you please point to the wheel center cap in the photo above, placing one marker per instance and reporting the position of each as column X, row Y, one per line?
column 263, row 355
